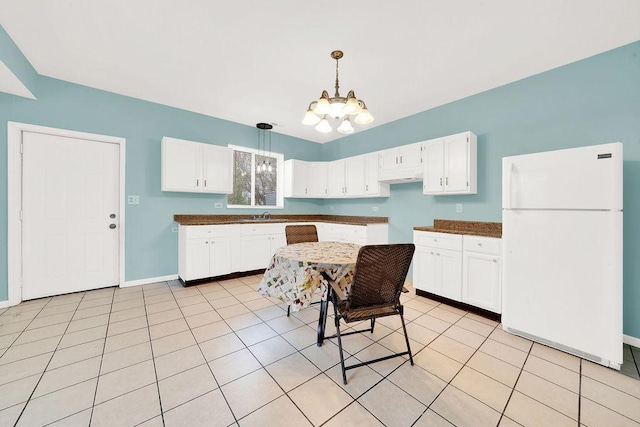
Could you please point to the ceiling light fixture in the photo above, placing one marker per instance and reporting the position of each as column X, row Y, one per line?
column 338, row 108
column 264, row 142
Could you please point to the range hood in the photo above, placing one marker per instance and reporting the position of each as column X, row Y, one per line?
column 415, row 177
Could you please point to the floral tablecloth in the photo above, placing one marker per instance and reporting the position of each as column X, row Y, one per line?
column 295, row 271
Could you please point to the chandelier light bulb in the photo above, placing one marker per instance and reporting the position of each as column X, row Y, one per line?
column 310, row 118
column 324, row 126
column 323, row 106
column 364, row 118
column 345, row 127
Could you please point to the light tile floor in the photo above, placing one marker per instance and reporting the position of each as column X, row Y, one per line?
column 220, row 354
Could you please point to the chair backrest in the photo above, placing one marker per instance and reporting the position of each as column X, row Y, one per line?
column 380, row 274
column 301, row 233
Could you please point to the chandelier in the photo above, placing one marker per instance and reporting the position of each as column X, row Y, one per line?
column 338, row 108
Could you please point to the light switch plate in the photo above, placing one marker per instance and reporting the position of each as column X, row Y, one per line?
column 458, row 207
column 375, row 209
column 133, row 200
column 218, row 205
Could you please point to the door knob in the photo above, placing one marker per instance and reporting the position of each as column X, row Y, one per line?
column 112, row 226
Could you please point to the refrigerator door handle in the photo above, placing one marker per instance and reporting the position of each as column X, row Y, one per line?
column 507, row 200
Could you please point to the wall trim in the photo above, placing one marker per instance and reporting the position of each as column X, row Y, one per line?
column 14, row 198
column 5, row 304
column 628, row 339
column 149, row 280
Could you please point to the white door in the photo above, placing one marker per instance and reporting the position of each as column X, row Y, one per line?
column 335, row 178
column 71, row 215
column 317, row 175
column 449, row 274
column 197, row 259
column 372, row 185
column 219, row 256
column 481, row 281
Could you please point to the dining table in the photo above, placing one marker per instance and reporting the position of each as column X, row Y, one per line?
column 297, row 271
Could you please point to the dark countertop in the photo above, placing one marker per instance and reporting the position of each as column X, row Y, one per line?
column 474, row 228
column 248, row 219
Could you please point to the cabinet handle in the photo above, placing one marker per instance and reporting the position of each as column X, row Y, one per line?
column 440, row 182
column 438, row 254
column 366, row 187
column 400, row 159
column 205, row 182
column 447, row 181
column 479, row 244
column 197, row 183
column 495, row 260
column 431, row 253
column 305, row 191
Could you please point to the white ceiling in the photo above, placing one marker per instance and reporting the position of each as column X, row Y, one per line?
column 264, row 61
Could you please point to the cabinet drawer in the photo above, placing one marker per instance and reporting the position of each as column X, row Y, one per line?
column 482, row 245
column 197, row 231
column 438, row 240
column 352, row 231
column 258, row 229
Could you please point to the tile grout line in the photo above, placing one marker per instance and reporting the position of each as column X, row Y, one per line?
column 49, row 362
column 513, row 389
column 580, row 393
column 153, row 359
column 104, row 345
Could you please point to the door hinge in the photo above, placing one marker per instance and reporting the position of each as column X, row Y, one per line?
column 20, row 214
column 21, row 147
column 467, row 139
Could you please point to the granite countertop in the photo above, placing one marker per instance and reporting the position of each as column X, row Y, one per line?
column 474, row 228
column 248, row 219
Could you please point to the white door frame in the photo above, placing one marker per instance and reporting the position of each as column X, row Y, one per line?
column 14, row 198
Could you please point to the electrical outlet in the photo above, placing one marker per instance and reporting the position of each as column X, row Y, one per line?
column 218, row 205
column 174, row 230
column 375, row 209
column 133, row 200
column 458, row 207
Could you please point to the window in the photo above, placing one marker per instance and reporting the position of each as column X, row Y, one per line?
column 257, row 179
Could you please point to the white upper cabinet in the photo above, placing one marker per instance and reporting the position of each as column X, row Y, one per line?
column 335, row 178
column 195, row 167
column 401, row 164
column 354, row 176
column 373, row 187
column 296, row 178
column 450, row 165
column 317, row 179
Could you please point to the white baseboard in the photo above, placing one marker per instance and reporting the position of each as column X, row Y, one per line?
column 627, row 339
column 148, row 280
column 5, row 304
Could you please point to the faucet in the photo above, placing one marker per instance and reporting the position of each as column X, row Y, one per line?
column 266, row 215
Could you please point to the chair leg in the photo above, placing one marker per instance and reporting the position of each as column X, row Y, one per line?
column 406, row 336
column 337, row 323
column 288, row 311
column 373, row 324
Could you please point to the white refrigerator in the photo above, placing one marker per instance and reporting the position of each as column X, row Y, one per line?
column 562, row 250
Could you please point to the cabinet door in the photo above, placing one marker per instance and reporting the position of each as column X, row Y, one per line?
column 219, row 256
column 388, row 160
column 318, row 179
column 456, row 163
column 424, row 272
column 181, row 165
column 433, row 167
column 335, row 178
column 277, row 241
column 354, row 176
column 449, row 274
column 371, row 183
column 197, row 259
column 296, row 178
column 217, row 169
column 481, row 285
column 410, row 156
column 256, row 252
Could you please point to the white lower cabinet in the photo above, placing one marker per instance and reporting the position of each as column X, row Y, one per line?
column 461, row 268
column 438, row 264
column 216, row 250
column 205, row 251
column 258, row 242
column 481, row 278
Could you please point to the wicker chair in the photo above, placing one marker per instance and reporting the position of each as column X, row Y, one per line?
column 300, row 234
column 375, row 292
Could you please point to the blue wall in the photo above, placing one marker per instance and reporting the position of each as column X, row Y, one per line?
column 593, row 101
column 151, row 247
